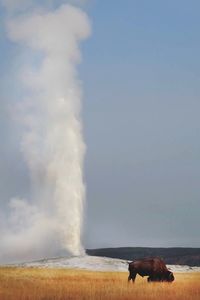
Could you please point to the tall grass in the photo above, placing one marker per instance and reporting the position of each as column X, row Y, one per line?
column 59, row 284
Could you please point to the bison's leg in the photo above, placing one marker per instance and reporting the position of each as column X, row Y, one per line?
column 132, row 277
column 149, row 279
column 152, row 278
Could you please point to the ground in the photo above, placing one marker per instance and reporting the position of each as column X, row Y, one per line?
column 61, row 284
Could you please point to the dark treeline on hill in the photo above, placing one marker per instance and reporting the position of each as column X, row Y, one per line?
column 173, row 256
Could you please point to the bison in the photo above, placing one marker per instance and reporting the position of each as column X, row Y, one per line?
column 154, row 268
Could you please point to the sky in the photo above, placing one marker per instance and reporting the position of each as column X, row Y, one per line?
column 140, row 73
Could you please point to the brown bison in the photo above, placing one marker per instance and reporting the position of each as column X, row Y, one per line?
column 155, row 268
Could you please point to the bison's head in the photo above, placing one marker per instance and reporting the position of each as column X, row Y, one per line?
column 169, row 276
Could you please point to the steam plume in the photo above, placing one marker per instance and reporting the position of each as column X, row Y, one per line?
column 52, row 141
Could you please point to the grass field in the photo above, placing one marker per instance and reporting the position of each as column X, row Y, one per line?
column 48, row 284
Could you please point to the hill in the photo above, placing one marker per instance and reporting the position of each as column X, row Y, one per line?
column 172, row 256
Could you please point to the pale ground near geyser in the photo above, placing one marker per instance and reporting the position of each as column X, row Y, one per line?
column 94, row 263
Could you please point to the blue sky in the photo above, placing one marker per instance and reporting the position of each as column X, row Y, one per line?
column 141, row 116
column 140, row 73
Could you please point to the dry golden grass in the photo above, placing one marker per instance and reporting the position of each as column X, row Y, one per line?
column 49, row 284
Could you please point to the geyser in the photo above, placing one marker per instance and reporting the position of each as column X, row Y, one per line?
column 52, row 140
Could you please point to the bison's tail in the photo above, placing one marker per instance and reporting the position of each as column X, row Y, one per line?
column 129, row 262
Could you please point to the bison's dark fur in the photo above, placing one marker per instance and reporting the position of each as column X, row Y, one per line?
column 155, row 268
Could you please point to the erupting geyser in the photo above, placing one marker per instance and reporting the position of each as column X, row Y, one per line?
column 52, row 140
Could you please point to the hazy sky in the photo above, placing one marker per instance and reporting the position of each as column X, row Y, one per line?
column 140, row 73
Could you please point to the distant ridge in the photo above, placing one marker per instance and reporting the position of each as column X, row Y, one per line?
column 174, row 256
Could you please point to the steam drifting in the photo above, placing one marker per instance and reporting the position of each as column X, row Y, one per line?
column 52, row 142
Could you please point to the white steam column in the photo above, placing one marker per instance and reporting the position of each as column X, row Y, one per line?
column 52, row 140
